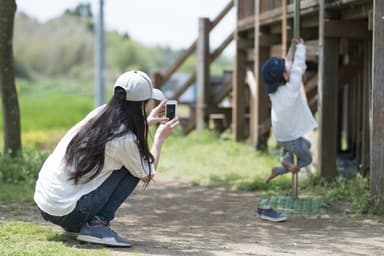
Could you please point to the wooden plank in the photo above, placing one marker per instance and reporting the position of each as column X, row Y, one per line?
column 328, row 67
column 347, row 29
column 359, row 112
column 339, row 133
column 202, row 74
column 180, row 60
column 366, row 99
column 284, row 40
column 238, row 102
column 377, row 136
column 360, row 10
column 259, row 110
column 222, row 14
column 245, row 23
column 351, row 128
column 308, row 8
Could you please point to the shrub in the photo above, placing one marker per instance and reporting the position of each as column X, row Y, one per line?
column 22, row 169
column 353, row 190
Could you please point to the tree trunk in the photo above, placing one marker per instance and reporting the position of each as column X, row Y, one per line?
column 10, row 103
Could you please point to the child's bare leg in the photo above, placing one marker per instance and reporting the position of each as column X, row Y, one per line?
column 274, row 174
column 290, row 166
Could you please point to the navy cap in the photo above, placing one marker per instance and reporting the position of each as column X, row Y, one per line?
column 273, row 73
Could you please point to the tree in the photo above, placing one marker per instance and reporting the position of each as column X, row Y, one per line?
column 10, row 103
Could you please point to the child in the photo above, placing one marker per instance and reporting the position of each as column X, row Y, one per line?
column 290, row 115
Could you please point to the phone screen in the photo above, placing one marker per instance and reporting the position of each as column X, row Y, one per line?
column 170, row 111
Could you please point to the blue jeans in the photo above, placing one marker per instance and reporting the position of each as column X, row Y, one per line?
column 301, row 148
column 102, row 202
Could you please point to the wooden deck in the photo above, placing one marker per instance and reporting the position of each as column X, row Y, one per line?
column 340, row 36
column 343, row 83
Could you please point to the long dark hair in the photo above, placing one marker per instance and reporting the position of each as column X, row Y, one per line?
column 86, row 150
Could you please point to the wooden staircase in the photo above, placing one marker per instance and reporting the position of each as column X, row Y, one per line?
column 211, row 91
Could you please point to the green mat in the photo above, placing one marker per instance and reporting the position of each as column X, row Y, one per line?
column 302, row 206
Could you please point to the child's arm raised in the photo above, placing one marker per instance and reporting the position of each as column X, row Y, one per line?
column 298, row 67
column 289, row 56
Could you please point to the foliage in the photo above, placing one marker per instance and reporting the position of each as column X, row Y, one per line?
column 353, row 190
column 55, row 48
column 64, row 47
column 22, row 169
column 18, row 238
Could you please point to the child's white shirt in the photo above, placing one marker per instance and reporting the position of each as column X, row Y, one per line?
column 290, row 114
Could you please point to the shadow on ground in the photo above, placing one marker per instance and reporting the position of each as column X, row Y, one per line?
column 171, row 219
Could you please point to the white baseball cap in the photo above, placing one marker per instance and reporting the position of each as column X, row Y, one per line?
column 138, row 86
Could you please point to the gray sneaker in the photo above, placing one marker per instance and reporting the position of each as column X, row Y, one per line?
column 101, row 234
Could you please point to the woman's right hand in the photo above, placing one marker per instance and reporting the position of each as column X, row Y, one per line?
column 166, row 129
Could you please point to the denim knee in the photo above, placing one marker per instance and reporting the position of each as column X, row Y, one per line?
column 307, row 160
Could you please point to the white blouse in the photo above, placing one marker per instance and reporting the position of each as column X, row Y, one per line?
column 56, row 195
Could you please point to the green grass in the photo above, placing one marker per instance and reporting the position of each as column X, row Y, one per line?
column 19, row 238
column 53, row 104
column 208, row 160
column 19, row 192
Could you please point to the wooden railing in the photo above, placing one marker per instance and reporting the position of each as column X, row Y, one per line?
column 160, row 79
column 192, row 78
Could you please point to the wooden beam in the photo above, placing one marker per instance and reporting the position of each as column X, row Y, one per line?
column 245, row 44
column 259, row 110
column 268, row 39
column 377, row 107
column 238, row 100
column 328, row 69
column 344, row 28
column 284, row 28
column 366, row 99
column 360, row 11
column 202, row 74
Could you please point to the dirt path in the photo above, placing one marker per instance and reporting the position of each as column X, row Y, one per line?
column 172, row 218
column 176, row 219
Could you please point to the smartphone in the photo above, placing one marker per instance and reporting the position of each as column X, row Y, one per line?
column 170, row 109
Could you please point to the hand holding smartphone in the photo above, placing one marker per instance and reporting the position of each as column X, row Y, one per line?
column 170, row 109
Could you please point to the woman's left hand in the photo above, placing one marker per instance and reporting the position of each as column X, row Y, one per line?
column 157, row 114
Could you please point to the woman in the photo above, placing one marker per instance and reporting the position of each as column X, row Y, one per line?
column 99, row 162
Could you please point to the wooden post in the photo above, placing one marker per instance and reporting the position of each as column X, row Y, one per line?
column 366, row 100
column 295, row 181
column 296, row 34
column 157, row 79
column 328, row 85
column 238, row 100
column 259, row 110
column 202, row 74
column 283, row 28
column 377, row 107
column 359, row 100
column 238, row 86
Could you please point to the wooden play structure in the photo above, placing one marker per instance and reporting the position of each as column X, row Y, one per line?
column 344, row 81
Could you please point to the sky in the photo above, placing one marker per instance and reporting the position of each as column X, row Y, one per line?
column 172, row 23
